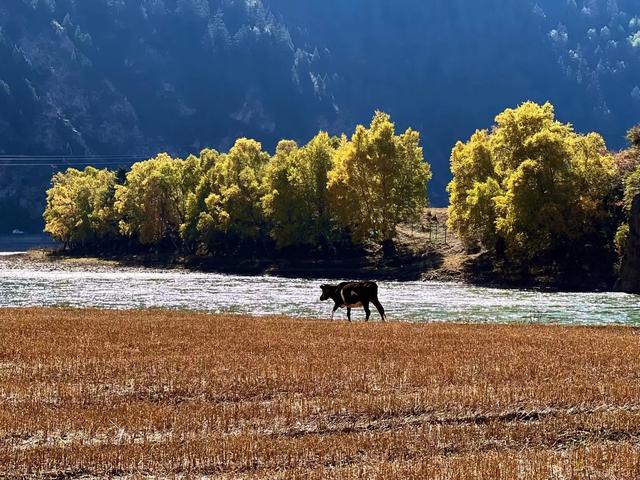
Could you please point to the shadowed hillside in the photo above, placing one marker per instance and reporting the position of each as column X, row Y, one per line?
column 138, row 77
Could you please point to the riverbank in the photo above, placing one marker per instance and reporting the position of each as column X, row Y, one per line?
column 403, row 267
column 89, row 393
column 426, row 251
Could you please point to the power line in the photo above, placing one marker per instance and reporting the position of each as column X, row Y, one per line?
column 57, row 160
column 71, row 164
column 62, row 155
column 68, row 159
column 52, row 161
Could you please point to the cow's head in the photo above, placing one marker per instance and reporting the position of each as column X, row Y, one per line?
column 327, row 290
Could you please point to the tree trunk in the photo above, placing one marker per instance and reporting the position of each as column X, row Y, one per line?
column 388, row 248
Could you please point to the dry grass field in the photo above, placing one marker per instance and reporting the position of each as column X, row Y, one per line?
column 94, row 394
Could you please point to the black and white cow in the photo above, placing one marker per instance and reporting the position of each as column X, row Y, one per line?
column 353, row 295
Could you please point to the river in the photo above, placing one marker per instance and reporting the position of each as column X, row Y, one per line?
column 25, row 283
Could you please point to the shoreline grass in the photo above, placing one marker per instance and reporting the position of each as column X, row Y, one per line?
column 90, row 393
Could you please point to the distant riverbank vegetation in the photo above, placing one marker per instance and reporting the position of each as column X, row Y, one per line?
column 331, row 190
column 536, row 194
column 533, row 194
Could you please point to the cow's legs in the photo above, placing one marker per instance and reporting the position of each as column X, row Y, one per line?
column 367, row 310
column 378, row 306
column 349, row 313
column 335, row 309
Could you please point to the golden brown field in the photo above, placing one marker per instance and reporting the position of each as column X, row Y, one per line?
column 128, row 394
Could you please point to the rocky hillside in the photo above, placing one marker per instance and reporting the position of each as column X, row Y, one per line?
column 133, row 77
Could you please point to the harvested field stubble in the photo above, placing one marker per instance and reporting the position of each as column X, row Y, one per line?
column 96, row 393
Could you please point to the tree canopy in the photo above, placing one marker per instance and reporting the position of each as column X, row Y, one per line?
column 226, row 201
column 530, row 183
column 628, row 162
column 379, row 180
column 151, row 202
column 202, row 213
column 80, row 206
column 239, row 179
column 301, row 196
column 296, row 200
column 628, row 166
column 633, row 137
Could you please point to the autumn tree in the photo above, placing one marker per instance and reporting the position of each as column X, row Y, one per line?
column 628, row 169
column 152, row 200
column 472, row 192
column 80, row 207
column 628, row 165
column 378, row 180
column 633, row 137
column 226, row 205
column 296, row 201
column 202, row 211
column 193, row 169
column 239, row 183
column 532, row 183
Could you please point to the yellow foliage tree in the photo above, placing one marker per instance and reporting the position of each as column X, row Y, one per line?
column 226, row 204
column 472, row 211
column 379, row 180
column 532, row 182
column 80, row 206
column 296, row 201
column 202, row 212
column 152, row 201
column 239, row 184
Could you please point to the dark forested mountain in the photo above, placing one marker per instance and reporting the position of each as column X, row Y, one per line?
column 134, row 77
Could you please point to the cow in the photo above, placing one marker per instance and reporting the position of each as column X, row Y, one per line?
column 353, row 295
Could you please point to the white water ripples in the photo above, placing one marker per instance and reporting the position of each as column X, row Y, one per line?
column 122, row 288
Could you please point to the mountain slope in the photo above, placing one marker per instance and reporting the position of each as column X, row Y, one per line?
column 139, row 76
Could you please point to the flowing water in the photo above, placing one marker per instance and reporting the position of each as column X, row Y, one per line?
column 28, row 284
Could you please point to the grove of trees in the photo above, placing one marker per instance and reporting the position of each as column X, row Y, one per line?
column 329, row 190
column 531, row 184
column 532, row 191
column 81, row 207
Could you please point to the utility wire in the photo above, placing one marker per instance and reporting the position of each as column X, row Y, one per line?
column 70, row 156
column 73, row 164
column 21, row 160
column 70, row 160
